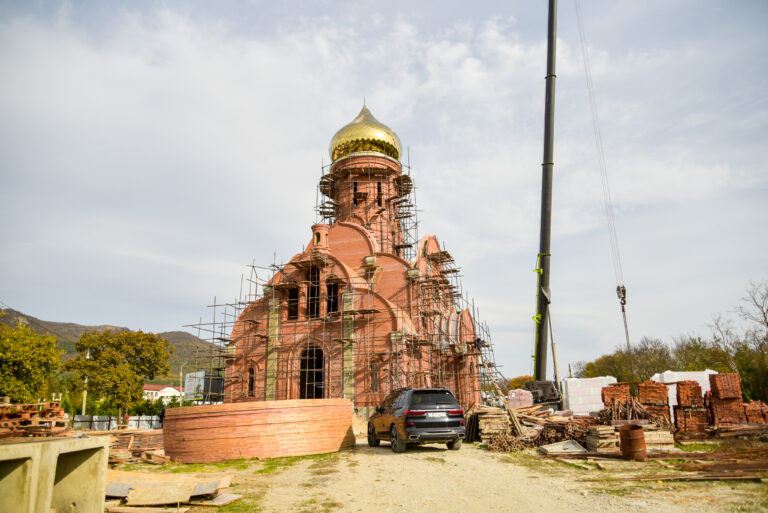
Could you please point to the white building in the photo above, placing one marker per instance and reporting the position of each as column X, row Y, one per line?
column 166, row 392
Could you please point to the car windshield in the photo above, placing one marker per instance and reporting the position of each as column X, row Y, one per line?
column 433, row 398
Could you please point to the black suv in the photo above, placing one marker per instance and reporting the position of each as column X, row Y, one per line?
column 417, row 415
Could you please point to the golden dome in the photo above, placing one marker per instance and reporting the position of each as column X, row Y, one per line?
column 365, row 133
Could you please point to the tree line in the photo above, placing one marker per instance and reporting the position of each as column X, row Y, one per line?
column 738, row 342
column 115, row 364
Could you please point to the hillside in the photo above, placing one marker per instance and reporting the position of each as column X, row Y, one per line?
column 186, row 346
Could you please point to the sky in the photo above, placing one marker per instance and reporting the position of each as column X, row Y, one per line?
column 150, row 151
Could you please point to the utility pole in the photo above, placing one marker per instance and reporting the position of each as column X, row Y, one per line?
column 181, row 383
column 85, row 390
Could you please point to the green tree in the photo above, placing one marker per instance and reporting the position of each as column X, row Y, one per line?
column 27, row 362
column 116, row 364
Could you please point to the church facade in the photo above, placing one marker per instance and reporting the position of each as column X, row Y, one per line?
column 365, row 308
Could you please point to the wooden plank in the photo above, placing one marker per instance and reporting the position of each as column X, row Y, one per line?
column 130, row 509
column 159, row 494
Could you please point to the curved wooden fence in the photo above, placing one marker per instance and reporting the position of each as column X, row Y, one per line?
column 263, row 429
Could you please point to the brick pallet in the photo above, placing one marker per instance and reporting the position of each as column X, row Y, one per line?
column 691, row 420
column 725, row 386
column 689, row 394
column 651, row 392
column 756, row 412
column 615, row 393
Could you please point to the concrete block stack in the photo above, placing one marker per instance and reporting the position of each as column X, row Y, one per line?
column 691, row 417
column 519, row 398
column 724, row 399
column 583, row 395
column 653, row 396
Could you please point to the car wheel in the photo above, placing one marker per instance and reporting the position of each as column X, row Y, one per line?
column 397, row 444
column 454, row 445
column 372, row 440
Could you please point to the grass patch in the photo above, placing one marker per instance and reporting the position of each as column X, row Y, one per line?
column 272, row 465
column 436, row 459
column 528, row 460
column 698, row 447
column 248, row 504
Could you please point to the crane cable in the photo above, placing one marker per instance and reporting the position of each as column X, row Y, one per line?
column 621, row 290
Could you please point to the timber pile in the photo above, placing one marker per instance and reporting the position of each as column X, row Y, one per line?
column 661, row 440
column 602, row 439
column 133, row 489
column 485, row 422
column 558, row 429
column 724, row 400
column 34, row 419
column 506, row 443
column 634, row 411
column 605, row 439
column 130, row 445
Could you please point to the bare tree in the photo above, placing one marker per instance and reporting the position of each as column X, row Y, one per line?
column 754, row 306
column 724, row 336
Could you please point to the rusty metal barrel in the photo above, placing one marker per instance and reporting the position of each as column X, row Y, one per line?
column 632, row 442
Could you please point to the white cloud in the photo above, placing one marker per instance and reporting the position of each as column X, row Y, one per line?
column 180, row 146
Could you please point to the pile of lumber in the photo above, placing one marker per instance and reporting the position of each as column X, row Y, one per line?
column 132, row 445
column 484, row 422
column 33, row 419
column 130, row 489
column 558, row 429
column 602, row 439
column 661, row 440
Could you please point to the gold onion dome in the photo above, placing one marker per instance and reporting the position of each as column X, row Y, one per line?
column 365, row 133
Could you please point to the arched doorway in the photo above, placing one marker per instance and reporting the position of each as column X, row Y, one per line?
column 311, row 374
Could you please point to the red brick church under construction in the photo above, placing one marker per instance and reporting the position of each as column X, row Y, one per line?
column 367, row 307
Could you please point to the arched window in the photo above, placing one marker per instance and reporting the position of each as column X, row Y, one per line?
column 311, row 374
column 250, row 382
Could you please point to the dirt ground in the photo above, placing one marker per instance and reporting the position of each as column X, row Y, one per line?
column 432, row 478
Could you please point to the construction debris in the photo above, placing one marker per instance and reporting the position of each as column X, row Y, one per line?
column 35, row 419
column 128, row 446
column 562, row 448
column 145, row 489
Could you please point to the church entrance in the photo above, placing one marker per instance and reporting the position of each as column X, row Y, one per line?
column 311, row 374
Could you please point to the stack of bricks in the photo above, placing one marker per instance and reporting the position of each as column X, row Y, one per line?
column 653, row 397
column 691, row 417
column 615, row 394
column 756, row 412
column 725, row 405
